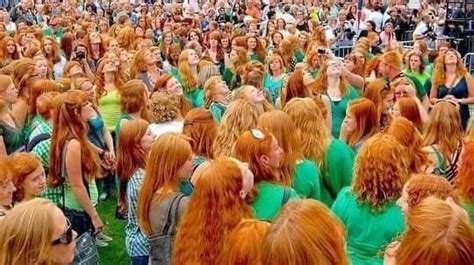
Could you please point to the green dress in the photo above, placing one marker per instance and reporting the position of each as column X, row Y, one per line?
column 336, row 173
column 269, row 200
column 12, row 138
column 338, row 109
column 306, row 180
column 368, row 231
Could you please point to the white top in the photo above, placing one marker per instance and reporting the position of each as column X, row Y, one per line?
column 378, row 19
column 158, row 129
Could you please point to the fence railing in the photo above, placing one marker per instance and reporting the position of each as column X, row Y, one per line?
column 469, row 62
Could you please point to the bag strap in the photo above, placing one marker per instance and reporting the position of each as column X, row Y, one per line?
column 175, row 211
column 286, row 196
column 166, row 228
column 36, row 140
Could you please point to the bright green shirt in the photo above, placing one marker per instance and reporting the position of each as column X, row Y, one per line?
column 469, row 207
column 337, row 170
column 70, row 199
column 368, row 231
column 422, row 78
column 109, row 108
column 306, row 180
column 269, row 200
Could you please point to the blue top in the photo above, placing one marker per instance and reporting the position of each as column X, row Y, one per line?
column 459, row 91
column 273, row 87
column 136, row 242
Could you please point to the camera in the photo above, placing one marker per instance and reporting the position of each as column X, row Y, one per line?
column 321, row 51
column 80, row 55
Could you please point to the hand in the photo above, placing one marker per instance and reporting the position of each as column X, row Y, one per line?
column 97, row 223
column 109, row 157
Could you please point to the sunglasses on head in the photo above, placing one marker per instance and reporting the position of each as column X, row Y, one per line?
column 258, row 134
column 65, row 238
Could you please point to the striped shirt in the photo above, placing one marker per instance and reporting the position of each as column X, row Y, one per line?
column 136, row 242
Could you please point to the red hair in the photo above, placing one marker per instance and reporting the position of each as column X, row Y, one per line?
column 295, row 88
column 249, row 148
column 464, row 181
column 68, row 124
column 167, row 155
column 250, row 231
column 282, row 126
column 405, row 132
column 365, row 114
column 133, row 97
column 201, row 128
column 379, row 172
column 130, row 155
column 305, row 232
column 99, row 78
column 436, row 233
column 214, row 210
column 422, row 186
column 408, row 108
column 21, row 165
column 38, row 88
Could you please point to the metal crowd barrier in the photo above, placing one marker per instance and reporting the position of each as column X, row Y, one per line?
column 469, row 62
column 342, row 51
column 407, row 35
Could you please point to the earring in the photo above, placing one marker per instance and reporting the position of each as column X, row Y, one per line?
column 242, row 194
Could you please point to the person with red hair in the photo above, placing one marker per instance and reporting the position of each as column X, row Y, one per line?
column 360, row 123
column 7, row 188
column 253, row 233
column 302, row 174
column 438, row 232
column 368, row 209
column 217, row 206
column 305, row 232
column 407, row 134
column 28, row 176
column 261, row 150
column 420, row 186
column 464, row 182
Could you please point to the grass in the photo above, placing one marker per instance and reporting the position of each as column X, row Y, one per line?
column 115, row 252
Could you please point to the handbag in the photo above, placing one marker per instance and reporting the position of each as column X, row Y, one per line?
column 161, row 244
column 86, row 250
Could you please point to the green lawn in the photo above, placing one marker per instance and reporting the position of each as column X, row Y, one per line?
column 115, row 252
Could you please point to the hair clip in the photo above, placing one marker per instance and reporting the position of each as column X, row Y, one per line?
column 257, row 134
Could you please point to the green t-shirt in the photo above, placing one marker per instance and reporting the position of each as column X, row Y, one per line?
column 368, row 231
column 306, row 180
column 269, row 200
column 337, row 170
column 109, row 108
column 422, row 78
column 70, row 199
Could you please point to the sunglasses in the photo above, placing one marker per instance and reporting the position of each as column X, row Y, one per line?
column 65, row 238
column 257, row 134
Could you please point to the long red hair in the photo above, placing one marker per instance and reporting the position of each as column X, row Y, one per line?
column 305, row 232
column 167, row 155
column 248, row 148
column 130, row 155
column 464, row 181
column 409, row 109
column 214, row 210
column 201, row 128
column 99, row 78
column 253, row 233
column 282, row 127
column 38, row 88
column 68, row 124
column 405, row 132
column 365, row 114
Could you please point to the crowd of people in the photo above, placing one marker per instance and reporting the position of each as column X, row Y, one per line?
column 233, row 133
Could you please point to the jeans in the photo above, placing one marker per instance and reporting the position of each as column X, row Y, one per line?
column 140, row 260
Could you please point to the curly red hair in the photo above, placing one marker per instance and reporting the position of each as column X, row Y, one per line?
column 422, row 186
column 379, row 172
